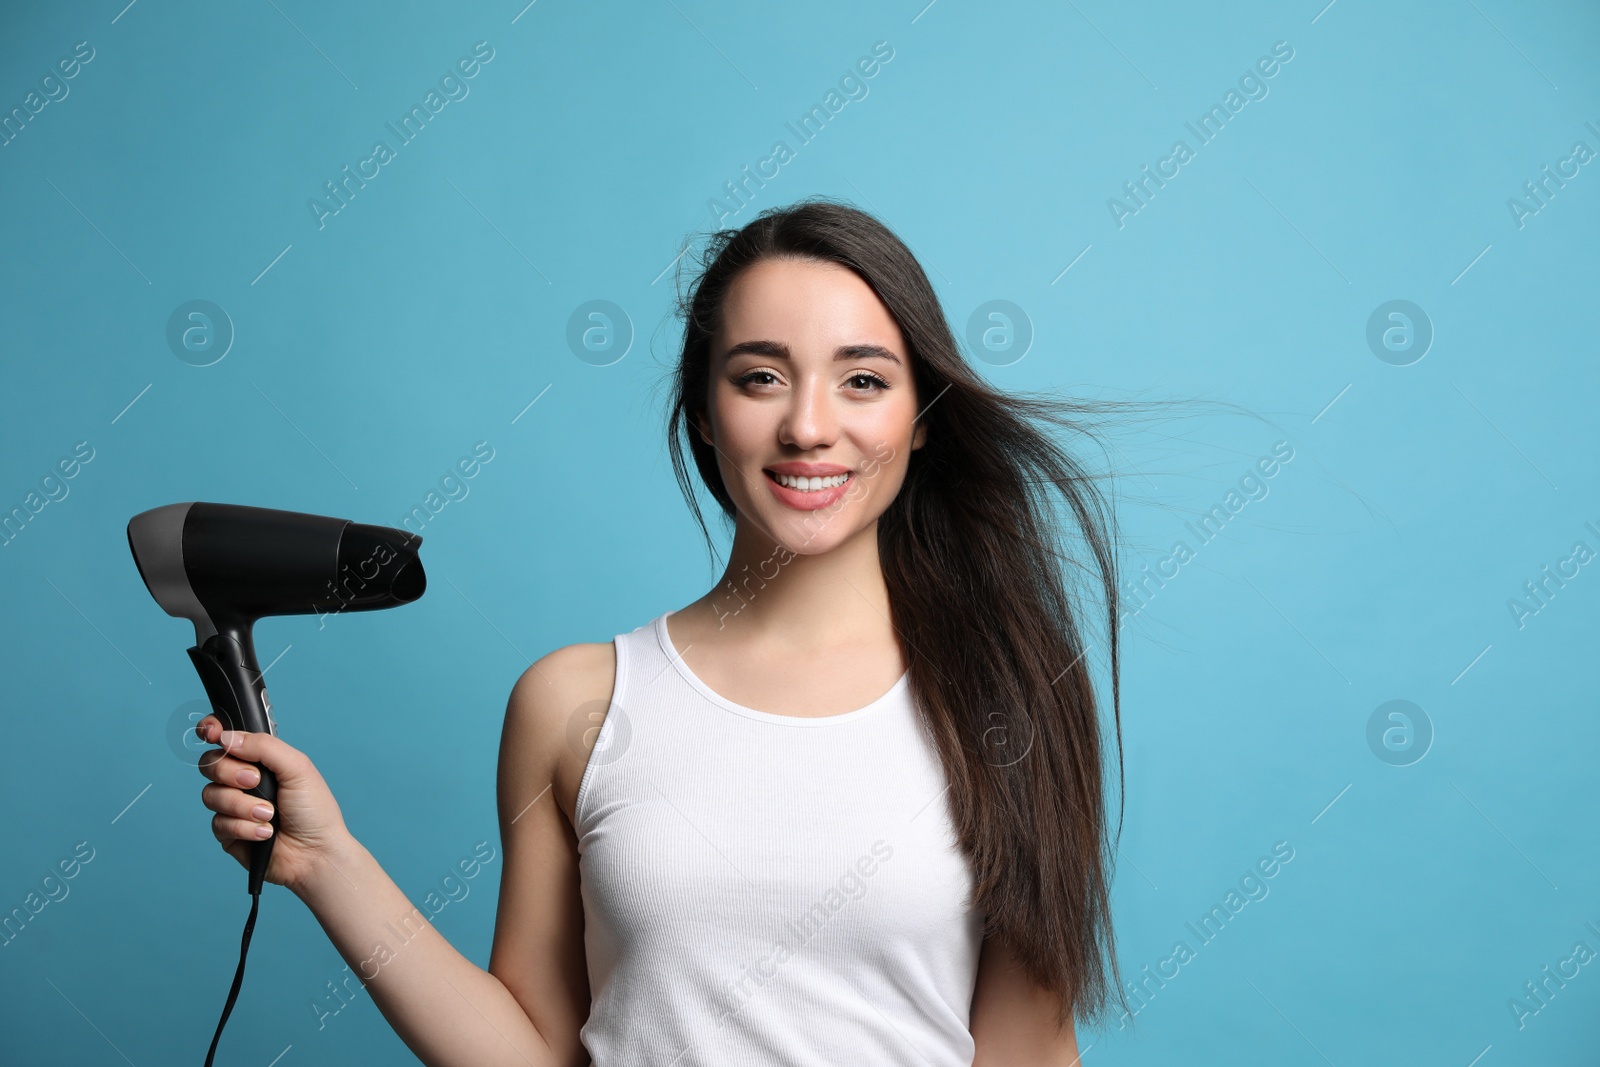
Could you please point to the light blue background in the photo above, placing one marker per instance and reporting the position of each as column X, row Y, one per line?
column 425, row 316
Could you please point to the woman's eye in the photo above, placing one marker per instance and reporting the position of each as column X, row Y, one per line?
column 872, row 381
column 750, row 378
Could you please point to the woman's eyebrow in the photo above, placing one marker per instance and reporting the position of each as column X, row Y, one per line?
column 779, row 350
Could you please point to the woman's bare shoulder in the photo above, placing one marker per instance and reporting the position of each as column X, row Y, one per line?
column 584, row 671
column 554, row 712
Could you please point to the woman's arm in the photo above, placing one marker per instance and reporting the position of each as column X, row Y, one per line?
column 446, row 1009
column 1014, row 1021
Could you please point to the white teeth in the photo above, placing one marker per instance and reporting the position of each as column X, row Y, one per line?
column 811, row 485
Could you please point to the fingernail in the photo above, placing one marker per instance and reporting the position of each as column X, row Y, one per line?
column 229, row 738
column 264, row 831
column 248, row 776
column 262, row 812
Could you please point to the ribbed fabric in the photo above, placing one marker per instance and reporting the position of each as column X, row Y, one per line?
column 763, row 889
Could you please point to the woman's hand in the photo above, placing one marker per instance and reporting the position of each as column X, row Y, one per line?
column 310, row 825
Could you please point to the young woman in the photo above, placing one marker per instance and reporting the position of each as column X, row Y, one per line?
column 847, row 807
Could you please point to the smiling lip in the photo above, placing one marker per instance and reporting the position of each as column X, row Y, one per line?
column 807, row 501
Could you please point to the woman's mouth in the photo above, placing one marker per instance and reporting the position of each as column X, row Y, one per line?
column 808, row 494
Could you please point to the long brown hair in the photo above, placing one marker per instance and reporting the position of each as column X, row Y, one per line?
column 984, row 597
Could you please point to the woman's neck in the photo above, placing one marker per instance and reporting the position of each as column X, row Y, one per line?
column 806, row 602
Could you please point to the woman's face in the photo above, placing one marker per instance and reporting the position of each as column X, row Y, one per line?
column 810, row 378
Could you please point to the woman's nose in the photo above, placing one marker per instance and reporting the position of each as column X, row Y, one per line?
column 810, row 421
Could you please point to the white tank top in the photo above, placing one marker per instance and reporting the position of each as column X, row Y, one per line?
column 768, row 889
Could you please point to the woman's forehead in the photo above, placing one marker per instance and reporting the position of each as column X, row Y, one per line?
column 810, row 306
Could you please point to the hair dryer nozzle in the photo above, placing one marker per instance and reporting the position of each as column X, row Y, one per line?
column 378, row 568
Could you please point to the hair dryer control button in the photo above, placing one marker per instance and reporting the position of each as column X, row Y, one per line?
column 272, row 725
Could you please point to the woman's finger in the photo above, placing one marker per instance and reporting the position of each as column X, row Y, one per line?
column 226, row 828
column 235, row 802
column 225, row 770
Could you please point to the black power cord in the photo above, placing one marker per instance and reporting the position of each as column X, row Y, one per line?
column 238, row 976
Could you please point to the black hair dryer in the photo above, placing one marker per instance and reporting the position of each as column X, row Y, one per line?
column 223, row 566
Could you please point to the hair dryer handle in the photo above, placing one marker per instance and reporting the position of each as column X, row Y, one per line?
column 239, row 697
